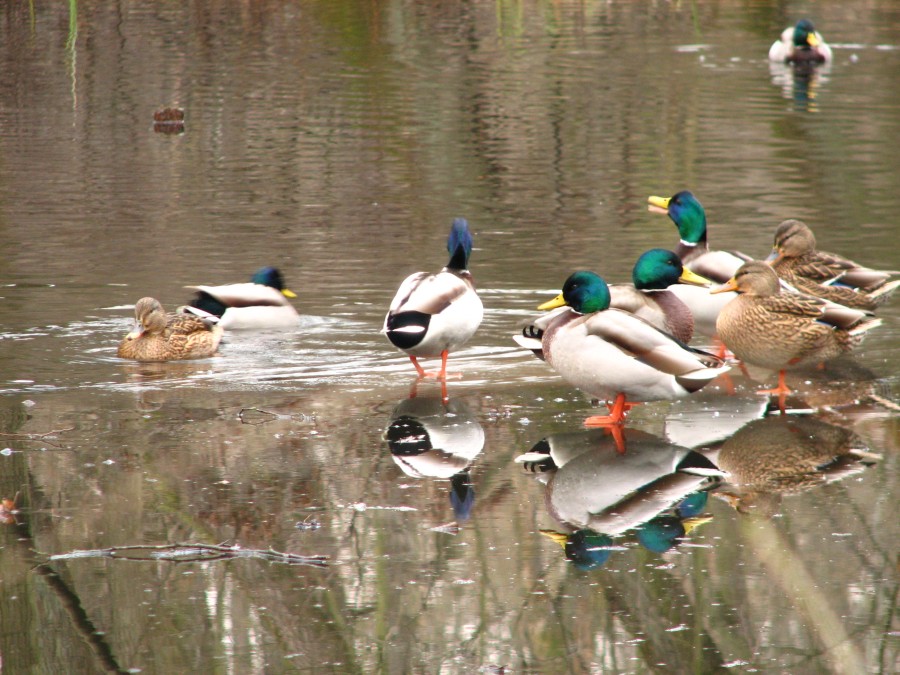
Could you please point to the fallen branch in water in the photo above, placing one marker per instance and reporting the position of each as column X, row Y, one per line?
column 38, row 437
column 190, row 553
column 890, row 405
column 245, row 417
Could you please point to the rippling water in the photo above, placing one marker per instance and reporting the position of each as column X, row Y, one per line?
column 337, row 140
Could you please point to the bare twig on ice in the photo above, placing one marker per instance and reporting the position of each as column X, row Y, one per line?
column 192, row 553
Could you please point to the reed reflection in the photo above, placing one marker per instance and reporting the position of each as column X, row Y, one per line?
column 430, row 438
column 655, row 491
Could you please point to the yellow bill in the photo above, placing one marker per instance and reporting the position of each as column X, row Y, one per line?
column 558, row 301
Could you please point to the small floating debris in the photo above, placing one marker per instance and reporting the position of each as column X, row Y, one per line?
column 168, row 121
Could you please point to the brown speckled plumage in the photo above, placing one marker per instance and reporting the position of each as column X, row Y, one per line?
column 781, row 455
column 771, row 329
column 796, row 260
column 168, row 337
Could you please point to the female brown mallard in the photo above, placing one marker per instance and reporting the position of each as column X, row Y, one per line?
column 775, row 330
column 158, row 336
column 826, row 275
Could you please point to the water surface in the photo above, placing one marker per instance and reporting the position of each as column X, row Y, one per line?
column 337, row 140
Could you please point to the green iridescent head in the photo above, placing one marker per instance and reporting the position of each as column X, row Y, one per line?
column 687, row 213
column 658, row 269
column 585, row 292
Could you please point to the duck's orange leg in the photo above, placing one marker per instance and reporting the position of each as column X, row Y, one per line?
column 419, row 369
column 616, row 413
column 614, row 421
column 441, row 374
column 781, row 391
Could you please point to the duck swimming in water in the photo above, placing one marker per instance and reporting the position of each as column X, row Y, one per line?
column 158, row 336
column 800, row 44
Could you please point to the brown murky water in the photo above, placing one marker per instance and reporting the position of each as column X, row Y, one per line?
column 337, row 140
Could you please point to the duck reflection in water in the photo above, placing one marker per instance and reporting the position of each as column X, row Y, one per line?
column 429, row 438
column 596, row 494
column 800, row 83
column 784, row 455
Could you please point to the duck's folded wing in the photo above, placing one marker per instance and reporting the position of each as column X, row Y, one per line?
column 649, row 345
column 719, row 266
column 429, row 293
column 244, row 295
column 626, row 297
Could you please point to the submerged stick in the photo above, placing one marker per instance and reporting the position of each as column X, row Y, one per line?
column 191, row 553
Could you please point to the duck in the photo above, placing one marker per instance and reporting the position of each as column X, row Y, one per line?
column 433, row 314
column 158, row 336
column 689, row 216
column 800, row 44
column 262, row 303
column 772, row 329
column 797, row 261
column 651, row 297
column 615, row 356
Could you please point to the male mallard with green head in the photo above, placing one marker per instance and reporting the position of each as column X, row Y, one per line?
column 260, row 304
column 434, row 314
column 615, row 356
column 800, row 44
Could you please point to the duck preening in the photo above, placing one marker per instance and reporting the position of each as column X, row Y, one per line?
column 432, row 315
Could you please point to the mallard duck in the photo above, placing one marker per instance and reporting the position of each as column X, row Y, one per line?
column 800, row 44
column 612, row 354
column 651, row 297
column 689, row 216
column 262, row 303
column 158, row 336
column 775, row 330
column 434, row 314
column 795, row 259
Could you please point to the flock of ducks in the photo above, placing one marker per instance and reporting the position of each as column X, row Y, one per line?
column 621, row 343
